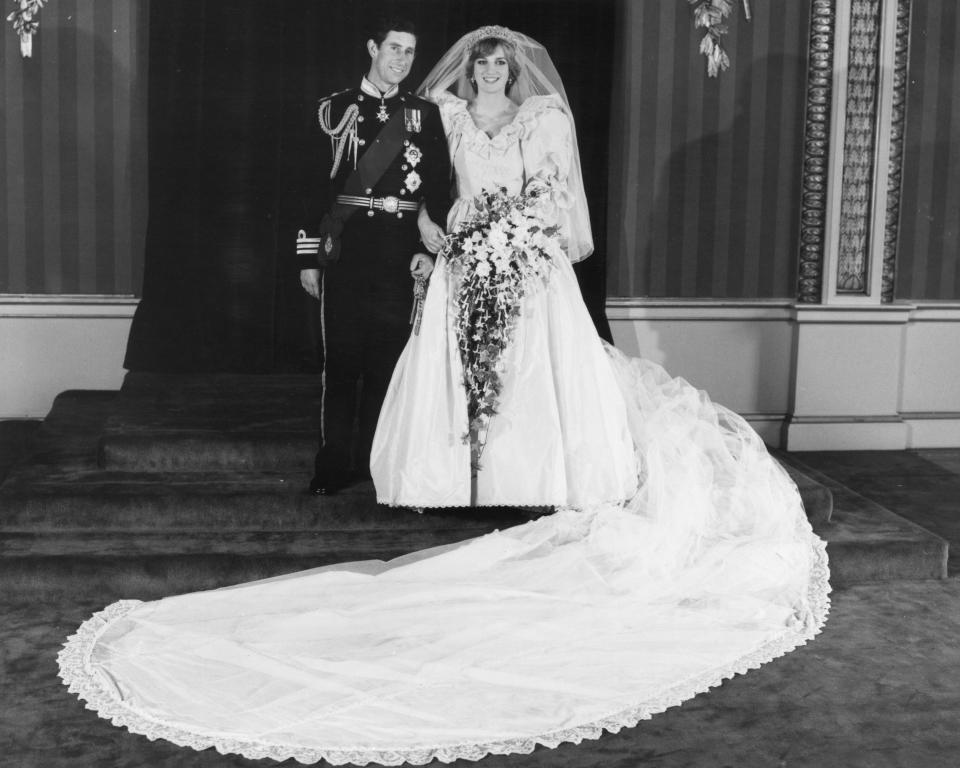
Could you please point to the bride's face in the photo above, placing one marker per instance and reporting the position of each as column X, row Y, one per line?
column 491, row 71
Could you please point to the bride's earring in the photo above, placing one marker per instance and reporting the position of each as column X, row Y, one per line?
column 510, row 82
column 473, row 84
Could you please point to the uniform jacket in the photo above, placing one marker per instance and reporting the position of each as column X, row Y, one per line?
column 419, row 173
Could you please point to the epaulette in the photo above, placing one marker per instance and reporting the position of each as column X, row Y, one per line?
column 335, row 94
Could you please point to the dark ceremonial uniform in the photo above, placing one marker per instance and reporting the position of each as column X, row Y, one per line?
column 367, row 294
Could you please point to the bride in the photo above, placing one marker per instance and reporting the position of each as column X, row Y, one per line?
column 551, row 429
column 679, row 556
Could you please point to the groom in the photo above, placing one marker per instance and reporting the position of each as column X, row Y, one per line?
column 378, row 183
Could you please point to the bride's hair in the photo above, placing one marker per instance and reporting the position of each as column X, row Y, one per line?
column 485, row 47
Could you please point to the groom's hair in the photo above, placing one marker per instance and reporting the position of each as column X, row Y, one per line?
column 387, row 24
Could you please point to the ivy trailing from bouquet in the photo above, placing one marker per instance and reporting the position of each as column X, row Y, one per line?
column 497, row 257
column 25, row 22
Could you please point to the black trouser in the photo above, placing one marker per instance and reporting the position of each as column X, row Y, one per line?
column 368, row 295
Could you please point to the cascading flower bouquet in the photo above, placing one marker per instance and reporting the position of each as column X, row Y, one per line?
column 497, row 257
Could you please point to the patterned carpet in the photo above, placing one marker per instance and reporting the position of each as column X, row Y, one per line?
column 880, row 687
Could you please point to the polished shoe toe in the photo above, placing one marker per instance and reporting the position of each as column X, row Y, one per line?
column 328, row 486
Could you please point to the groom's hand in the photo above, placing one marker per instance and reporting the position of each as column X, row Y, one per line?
column 310, row 280
column 421, row 265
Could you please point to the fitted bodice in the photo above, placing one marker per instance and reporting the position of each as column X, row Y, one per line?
column 516, row 153
column 476, row 171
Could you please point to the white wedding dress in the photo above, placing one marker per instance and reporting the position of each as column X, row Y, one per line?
column 560, row 436
column 680, row 555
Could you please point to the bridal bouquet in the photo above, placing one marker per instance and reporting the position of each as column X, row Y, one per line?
column 499, row 255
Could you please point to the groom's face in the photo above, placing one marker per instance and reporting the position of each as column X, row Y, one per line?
column 392, row 59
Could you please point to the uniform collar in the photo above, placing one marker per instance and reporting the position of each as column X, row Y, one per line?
column 371, row 90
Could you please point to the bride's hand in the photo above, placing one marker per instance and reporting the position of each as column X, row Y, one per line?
column 430, row 234
column 421, row 265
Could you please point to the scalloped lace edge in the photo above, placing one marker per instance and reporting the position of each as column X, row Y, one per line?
column 81, row 679
column 478, row 140
column 556, row 505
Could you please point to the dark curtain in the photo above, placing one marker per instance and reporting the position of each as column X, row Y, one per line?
column 233, row 85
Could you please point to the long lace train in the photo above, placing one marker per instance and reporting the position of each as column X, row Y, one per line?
column 554, row 631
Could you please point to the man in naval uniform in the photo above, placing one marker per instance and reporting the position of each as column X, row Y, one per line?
column 376, row 216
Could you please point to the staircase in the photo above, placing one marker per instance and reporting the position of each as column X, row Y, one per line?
column 183, row 482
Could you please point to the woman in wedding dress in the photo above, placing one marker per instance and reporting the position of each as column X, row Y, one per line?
column 559, row 434
column 679, row 554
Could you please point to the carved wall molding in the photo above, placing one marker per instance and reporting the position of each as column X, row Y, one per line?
column 816, row 142
column 892, row 225
column 859, row 147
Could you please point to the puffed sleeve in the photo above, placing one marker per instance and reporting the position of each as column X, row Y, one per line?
column 547, row 158
column 548, row 152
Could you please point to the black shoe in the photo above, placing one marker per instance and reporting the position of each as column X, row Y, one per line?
column 328, row 486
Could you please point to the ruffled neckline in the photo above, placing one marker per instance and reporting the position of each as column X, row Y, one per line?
column 459, row 121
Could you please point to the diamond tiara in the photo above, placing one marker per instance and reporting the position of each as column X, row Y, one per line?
column 492, row 31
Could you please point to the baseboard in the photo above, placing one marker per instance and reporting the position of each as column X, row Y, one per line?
column 846, row 433
column 932, row 430
column 768, row 425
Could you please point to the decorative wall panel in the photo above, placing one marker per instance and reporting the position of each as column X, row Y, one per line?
column 859, row 146
column 895, row 176
column 705, row 174
column 928, row 244
column 816, row 144
column 73, row 151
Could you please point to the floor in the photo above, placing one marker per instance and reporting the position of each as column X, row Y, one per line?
column 880, row 687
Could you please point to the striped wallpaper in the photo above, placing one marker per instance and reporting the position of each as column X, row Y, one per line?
column 73, row 202
column 928, row 251
column 705, row 173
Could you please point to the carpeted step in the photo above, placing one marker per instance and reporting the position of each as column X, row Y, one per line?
column 67, row 523
column 326, row 543
column 200, row 423
column 210, row 451
column 868, row 543
column 142, row 564
column 65, row 520
column 920, row 485
column 232, row 423
column 173, row 502
column 144, row 578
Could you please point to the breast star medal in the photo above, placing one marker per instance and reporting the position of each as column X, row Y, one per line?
column 412, row 155
column 412, row 181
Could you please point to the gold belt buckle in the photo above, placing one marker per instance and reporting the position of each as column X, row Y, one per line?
column 391, row 204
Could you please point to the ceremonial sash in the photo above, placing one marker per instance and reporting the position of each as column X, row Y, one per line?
column 370, row 169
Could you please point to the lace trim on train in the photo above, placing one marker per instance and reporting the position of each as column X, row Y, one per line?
column 75, row 671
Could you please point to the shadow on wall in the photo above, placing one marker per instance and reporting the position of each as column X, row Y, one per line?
column 724, row 220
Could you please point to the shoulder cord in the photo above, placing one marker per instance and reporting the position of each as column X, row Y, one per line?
column 345, row 131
